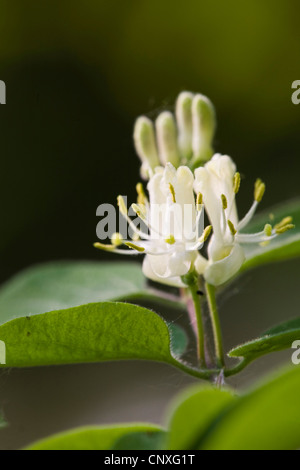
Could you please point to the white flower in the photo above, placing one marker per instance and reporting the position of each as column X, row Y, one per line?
column 184, row 140
column 218, row 183
column 173, row 218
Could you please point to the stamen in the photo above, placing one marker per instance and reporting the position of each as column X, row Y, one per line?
column 172, row 191
column 246, row 219
column 103, row 246
column 122, row 205
column 205, row 234
column 224, row 201
column 236, row 182
column 171, row 240
column 199, row 200
column 123, row 211
column 259, row 190
column 268, row 230
column 231, row 227
column 285, row 228
column 139, row 210
column 283, row 222
column 254, row 237
column 133, row 246
column 116, row 239
column 142, row 198
column 113, row 249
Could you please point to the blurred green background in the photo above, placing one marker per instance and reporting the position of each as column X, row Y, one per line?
column 77, row 75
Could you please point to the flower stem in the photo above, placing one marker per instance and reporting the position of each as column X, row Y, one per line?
column 214, row 316
column 200, row 331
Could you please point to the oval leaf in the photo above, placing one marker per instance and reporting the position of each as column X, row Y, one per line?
column 192, row 415
column 89, row 333
column 60, row 285
column 93, row 438
column 276, row 339
column 265, row 419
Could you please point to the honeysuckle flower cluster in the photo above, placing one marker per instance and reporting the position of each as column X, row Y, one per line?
column 184, row 179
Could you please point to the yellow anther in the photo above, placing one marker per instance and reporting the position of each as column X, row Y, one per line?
column 133, row 246
column 224, row 201
column 171, row 240
column 284, row 221
column 172, row 191
column 268, row 230
column 142, row 198
column 199, row 199
column 139, row 210
column 103, row 246
column 236, row 182
column 205, row 234
column 116, row 239
column 257, row 183
column 271, row 216
column 284, row 228
column 122, row 205
column 231, row 227
column 259, row 190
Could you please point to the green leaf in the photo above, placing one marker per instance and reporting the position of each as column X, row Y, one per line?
column 140, row 441
column 61, row 285
column 93, row 438
column 179, row 339
column 285, row 246
column 89, row 333
column 193, row 413
column 276, row 339
column 265, row 419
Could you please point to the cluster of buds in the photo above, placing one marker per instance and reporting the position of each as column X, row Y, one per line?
column 185, row 139
column 185, row 180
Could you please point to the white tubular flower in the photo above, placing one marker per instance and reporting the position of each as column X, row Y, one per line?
column 173, row 218
column 218, row 183
column 184, row 140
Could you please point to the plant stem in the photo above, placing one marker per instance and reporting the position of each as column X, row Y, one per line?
column 200, row 331
column 214, row 316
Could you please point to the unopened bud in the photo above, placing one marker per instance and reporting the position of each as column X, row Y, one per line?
column 204, row 124
column 167, row 139
column 184, row 123
column 144, row 141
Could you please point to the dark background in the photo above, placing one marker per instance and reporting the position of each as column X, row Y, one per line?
column 77, row 75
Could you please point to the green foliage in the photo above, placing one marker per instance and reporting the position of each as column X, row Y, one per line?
column 140, row 441
column 264, row 419
column 193, row 413
column 277, row 338
column 97, row 438
column 60, row 285
column 203, row 418
column 93, row 332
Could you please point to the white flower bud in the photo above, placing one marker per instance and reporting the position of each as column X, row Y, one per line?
column 204, row 124
column 184, row 123
column 167, row 139
column 144, row 141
